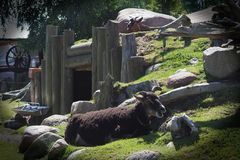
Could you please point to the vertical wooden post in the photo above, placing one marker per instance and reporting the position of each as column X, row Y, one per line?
column 101, row 53
column 136, row 67
column 112, row 50
column 37, row 88
column 57, row 47
column 66, row 75
column 128, row 49
column 94, row 60
column 32, row 90
column 43, row 81
column 50, row 31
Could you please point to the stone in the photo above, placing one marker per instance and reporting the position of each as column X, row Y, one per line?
column 54, row 120
column 82, row 107
column 221, row 62
column 193, row 61
column 75, row 154
column 150, row 18
column 181, row 126
column 31, row 133
column 41, row 146
column 181, row 78
column 153, row 68
column 57, row 149
column 96, row 96
column 127, row 92
column 15, row 123
column 143, row 86
column 144, row 155
column 170, row 145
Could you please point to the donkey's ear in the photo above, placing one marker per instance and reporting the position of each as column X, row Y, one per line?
column 139, row 19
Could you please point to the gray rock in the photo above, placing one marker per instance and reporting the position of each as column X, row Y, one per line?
column 221, row 62
column 128, row 102
column 41, row 146
column 181, row 78
column 181, row 126
column 144, row 155
column 171, row 145
column 82, row 107
column 193, row 61
column 31, row 133
column 150, row 18
column 153, row 68
column 54, row 120
column 57, row 149
column 73, row 155
column 96, row 95
column 143, row 86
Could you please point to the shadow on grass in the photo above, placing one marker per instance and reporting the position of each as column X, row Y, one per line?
column 185, row 141
column 228, row 122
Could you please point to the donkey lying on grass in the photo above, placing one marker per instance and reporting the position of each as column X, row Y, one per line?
column 100, row 127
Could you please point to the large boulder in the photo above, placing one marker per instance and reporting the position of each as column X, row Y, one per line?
column 41, row 146
column 55, row 120
column 221, row 62
column 144, row 155
column 57, row 149
column 181, row 78
column 82, row 107
column 31, row 133
column 150, row 18
column 96, row 95
column 127, row 92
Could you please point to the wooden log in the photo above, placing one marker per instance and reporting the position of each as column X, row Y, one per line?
column 128, row 49
column 94, row 59
column 66, row 74
column 37, row 88
column 43, row 82
column 50, row 31
column 112, row 45
column 32, row 90
column 57, row 49
column 80, row 49
column 106, row 89
column 136, row 67
column 101, row 53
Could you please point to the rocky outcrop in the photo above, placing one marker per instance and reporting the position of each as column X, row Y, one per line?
column 75, row 154
column 55, row 120
column 82, row 107
column 153, row 68
column 181, row 78
column 221, row 62
column 41, row 146
column 57, row 149
column 144, row 155
column 127, row 92
column 150, row 18
column 31, row 133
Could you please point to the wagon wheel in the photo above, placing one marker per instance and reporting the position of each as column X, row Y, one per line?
column 17, row 59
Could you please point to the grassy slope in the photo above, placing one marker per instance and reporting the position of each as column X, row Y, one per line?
column 215, row 113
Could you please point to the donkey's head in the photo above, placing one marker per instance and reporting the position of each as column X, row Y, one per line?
column 134, row 24
column 151, row 103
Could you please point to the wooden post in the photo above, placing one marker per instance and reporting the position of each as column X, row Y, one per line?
column 101, row 53
column 136, row 67
column 113, row 61
column 57, row 46
column 50, row 31
column 106, row 88
column 66, row 75
column 128, row 49
column 32, row 90
column 94, row 60
column 37, row 88
column 43, row 82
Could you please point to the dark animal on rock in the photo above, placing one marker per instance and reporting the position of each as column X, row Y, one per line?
column 100, row 127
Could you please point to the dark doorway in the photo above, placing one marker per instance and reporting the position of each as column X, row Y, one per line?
column 82, row 85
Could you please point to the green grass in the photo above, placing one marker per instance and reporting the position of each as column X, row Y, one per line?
column 216, row 114
column 9, row 151
column 174, row 58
